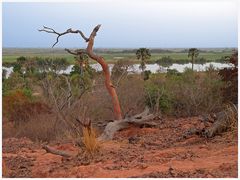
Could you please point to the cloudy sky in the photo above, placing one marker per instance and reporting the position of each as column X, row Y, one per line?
column 125, row 24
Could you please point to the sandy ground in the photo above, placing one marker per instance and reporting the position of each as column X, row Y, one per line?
column 134, row 152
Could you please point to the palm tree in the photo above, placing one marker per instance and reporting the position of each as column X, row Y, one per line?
column 143, row 54
column 193, row 53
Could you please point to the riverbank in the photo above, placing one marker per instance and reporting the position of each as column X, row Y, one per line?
column 153, row 68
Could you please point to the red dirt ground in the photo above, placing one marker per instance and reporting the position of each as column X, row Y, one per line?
column 134, row 152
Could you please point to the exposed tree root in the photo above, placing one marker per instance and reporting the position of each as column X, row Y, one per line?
column 138, row 120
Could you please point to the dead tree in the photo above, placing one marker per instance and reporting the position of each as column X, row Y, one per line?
column 99, row 59
column 120, row 123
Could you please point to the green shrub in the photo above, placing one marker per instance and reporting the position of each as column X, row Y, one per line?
column 15, row 81
column 4, row 74
column 158, row 98
column 185, row 94
column 17, row 68
column 21, row 60
column 171, row 72
column 146, row 75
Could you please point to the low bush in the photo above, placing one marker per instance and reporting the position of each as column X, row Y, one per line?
column 157, row 98
column 42, row 127
column 165, row 61
column 230, row 77
column 19, row 106
column 131, row 95
column 185, row 94
column 146, row 75
column 120, row 68
column 16, row 81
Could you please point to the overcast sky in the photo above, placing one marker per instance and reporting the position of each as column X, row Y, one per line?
column 125, row 24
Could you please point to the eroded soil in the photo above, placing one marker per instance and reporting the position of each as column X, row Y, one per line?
column 135, row 152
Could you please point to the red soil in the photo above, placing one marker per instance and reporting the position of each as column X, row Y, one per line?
column 134, row 152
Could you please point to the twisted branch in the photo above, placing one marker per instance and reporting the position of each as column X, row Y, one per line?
column 76, row 52
column 71, row 52
column 51, row 30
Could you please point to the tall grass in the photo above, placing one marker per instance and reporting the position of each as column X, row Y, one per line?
column 5, row 172
column 90, row 141
column 232, row 116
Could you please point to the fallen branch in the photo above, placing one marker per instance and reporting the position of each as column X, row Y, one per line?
column 139, row 120
column 220, row 122
column 56, row 152
column 223, row 121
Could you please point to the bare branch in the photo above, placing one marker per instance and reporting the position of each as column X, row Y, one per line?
column 71, row 52
column 84, row 123
column 76, row 52
column 51, row 30
column 69, row 94
column 120, row 78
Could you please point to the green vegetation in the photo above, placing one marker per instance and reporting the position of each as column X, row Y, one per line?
column 143, row 54
column 193, row 53
column 185, row 94
column 32, row 97
column 112, row 55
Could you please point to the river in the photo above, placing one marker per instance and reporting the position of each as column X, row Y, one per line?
column 154, row 68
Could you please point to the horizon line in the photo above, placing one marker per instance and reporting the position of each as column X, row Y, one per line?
column 122, row 47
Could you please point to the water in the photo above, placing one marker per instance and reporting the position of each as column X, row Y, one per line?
column 9, row 71
column 154, row 68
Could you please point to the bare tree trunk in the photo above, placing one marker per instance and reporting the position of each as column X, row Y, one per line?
column 108, row 82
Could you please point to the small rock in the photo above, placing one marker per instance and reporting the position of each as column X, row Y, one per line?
column 22, row 167
column 133, row 139
column 143, row 166
column 209, row 176
column 203, row 146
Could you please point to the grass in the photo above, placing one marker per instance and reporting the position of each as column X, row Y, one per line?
column 90, row 140
column 232, row 114
column 180, row 56
column 10, row 55
column 13, row 58
column 5, row 172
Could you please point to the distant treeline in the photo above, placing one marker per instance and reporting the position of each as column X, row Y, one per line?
column 163, row 50
column 12, row 51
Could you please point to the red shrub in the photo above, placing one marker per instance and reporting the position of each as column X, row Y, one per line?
column 230, row 76
column 18, row 107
